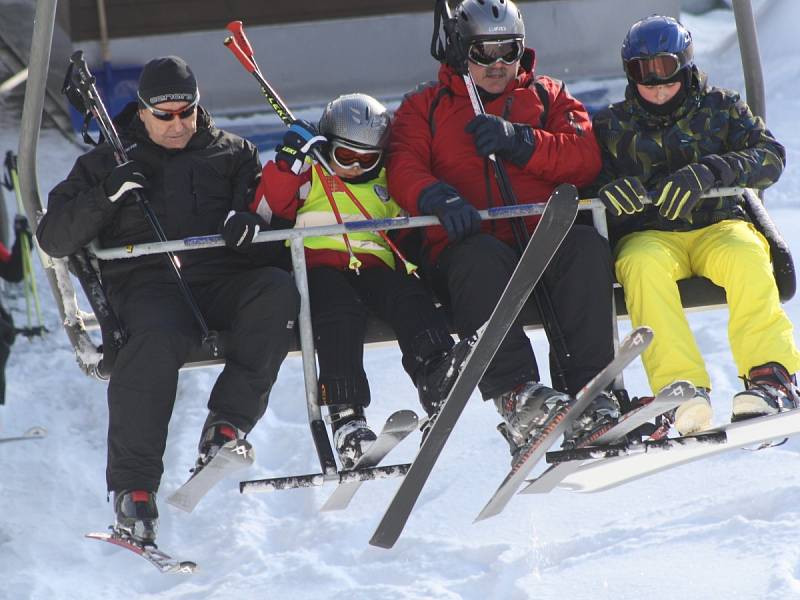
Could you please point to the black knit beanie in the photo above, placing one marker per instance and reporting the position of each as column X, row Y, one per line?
column 167, row 79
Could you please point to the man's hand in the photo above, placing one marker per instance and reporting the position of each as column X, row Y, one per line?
column 623, row 196
column 679, row 193
column 459, row 218
column 298, row 142
column 21, row 225
column 239, row 229
column 494, row 135
column 124, row 178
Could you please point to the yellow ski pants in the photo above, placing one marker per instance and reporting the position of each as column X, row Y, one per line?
column 734, row 256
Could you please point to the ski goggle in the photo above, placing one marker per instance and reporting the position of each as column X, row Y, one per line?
column 486, row 54
column 651, row 70
column 167, row 115
column 348, row 156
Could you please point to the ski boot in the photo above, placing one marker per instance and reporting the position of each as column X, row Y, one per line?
column 351, row 436
column 136, row 516
column 524, row 410
column 436, row 377
column 603, row 410
column 692, row 416
column 769, row 390
column 216, row 434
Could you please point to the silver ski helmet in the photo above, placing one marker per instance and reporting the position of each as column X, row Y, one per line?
column 478, row 20
column 358, row 120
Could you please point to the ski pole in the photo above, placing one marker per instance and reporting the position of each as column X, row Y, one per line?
column 243, row 51
column 92, row 101
column 29, row 283
column 354, row 263
column 541, row 295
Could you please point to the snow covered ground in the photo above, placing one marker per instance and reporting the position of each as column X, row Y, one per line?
column 726, row 527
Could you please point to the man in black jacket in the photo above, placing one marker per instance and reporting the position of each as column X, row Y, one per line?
column 198, row 180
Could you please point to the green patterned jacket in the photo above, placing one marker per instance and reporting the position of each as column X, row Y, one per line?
column 710, row 121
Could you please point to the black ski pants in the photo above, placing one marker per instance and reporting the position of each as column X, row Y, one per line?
column 340, row 304
column 471, row 275
column 256, row 308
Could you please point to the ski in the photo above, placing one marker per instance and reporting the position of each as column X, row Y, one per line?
column 397, row 427
column 667, row 399
column 158, row 558
column 231, row 457
column 34, row 433
column 556, row 220
column 607, row 473
column 530, row 454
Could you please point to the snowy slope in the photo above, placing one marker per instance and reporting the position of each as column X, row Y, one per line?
column 723, row 528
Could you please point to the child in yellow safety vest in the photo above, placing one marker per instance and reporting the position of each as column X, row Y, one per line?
column 352, row 274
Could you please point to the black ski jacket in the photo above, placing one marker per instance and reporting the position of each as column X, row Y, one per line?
column 190, row 190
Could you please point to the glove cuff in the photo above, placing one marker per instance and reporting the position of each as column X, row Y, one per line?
column 524, row 145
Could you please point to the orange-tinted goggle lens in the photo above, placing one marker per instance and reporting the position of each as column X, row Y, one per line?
column 652, row 69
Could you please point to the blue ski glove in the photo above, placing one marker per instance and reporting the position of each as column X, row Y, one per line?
column 298, row 142
column 679, row 194
column 495, row 135
column 459, row 218
column 239, row 229
column 623, row 196
column 123, row 178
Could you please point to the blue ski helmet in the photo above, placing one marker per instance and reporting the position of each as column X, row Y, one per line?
column 656, row 49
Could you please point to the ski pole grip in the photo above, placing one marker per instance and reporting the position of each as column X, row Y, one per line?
column 237, row 29
column 239, row 54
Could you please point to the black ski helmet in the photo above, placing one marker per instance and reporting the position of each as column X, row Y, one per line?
column 477, row 20
column 658, row 35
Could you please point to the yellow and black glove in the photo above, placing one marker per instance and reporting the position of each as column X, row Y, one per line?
column 679, row 194
column 623, row 196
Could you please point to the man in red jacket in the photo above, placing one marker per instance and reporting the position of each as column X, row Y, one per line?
column 438, row 165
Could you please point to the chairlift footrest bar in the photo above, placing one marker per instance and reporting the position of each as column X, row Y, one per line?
column 318, row 479
column 612, row 450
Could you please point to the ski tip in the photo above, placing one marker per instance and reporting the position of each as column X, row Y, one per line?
column 36, row 432
column 186, row 567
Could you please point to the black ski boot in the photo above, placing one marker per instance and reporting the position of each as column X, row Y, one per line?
column 137, row 516
column 525, row 409
column 436, row 377
column 216, row 433
column 770, row 390
column 351, row 435
column 603, row 410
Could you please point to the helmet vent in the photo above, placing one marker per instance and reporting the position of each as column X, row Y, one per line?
column 495, row 12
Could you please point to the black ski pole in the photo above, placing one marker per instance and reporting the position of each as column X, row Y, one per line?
column 85, row 86
column 541, row 295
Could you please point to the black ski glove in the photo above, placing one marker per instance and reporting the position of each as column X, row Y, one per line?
column 679, row 194
column 124, row 178
column 239, row 229
column 725, row 174
column 495, row 135
column 459, row 218
column 298, row 142
column 623, row 196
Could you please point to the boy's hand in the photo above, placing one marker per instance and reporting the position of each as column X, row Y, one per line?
column 679, row 194
column 298, row 142
column 623, row 196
